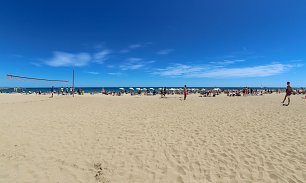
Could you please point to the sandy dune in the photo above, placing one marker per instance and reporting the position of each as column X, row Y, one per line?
column 148, row 139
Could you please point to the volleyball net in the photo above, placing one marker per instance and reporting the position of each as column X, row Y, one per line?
column 13, row 77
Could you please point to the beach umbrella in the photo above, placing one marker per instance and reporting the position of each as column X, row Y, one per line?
column 131, row 88
column 171, row 89
column 160, row 88
column 138, row 89
column 216, row 89
column 151, row 88
column 144, row 89
column 121, row 88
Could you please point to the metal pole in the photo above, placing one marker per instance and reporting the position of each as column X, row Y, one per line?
column 73, row 82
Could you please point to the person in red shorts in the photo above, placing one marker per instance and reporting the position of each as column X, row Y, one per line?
column 288, row 93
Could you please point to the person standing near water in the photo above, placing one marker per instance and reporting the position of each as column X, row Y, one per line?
column 185, row 92
column 52, row 91
column 288, row 93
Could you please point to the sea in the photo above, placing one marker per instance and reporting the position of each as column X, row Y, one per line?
column 117, row 89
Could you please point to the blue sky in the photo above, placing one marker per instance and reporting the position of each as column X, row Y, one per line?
column 154, row 43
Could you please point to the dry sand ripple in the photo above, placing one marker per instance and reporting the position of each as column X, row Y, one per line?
column 148, row 139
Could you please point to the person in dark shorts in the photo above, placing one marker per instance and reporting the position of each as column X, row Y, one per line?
column 288, row 93
column 52, row 91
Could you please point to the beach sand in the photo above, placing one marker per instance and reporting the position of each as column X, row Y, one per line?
column 149, row 139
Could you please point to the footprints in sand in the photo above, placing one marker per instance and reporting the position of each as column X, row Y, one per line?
column 180, row 170
column 100, row 173
column 175, row 165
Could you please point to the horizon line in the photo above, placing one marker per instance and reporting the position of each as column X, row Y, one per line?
column 156, row 87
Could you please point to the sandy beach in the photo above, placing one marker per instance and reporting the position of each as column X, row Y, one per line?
column 95, row 138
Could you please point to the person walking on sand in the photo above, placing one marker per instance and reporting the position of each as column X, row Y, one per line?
column 185, row 92
column 288, row 93
column 52, row 91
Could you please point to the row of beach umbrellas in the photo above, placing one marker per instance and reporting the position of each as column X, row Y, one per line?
column 171, row 89
column 144, row 89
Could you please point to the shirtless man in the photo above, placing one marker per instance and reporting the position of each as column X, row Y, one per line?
column 185, row 92
column 288, row 93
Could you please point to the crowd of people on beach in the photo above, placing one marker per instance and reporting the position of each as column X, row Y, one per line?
column 247, row 92
column 163, row 92
column 62, row 91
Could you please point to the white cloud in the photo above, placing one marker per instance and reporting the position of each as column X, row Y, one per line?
column 63, row 59
column 134, row 59
column 257, row 71
column 134, row 46
column 35, row 64
column 131, row 66
column 227, row 62
column 297, row 60
column 134, row 63
column 115, row 73
column 93, row 73
column 101, row 56
column 178, row 70
column 189, row 71
column 165, row 51
column 150, row 61
column 131, row 47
